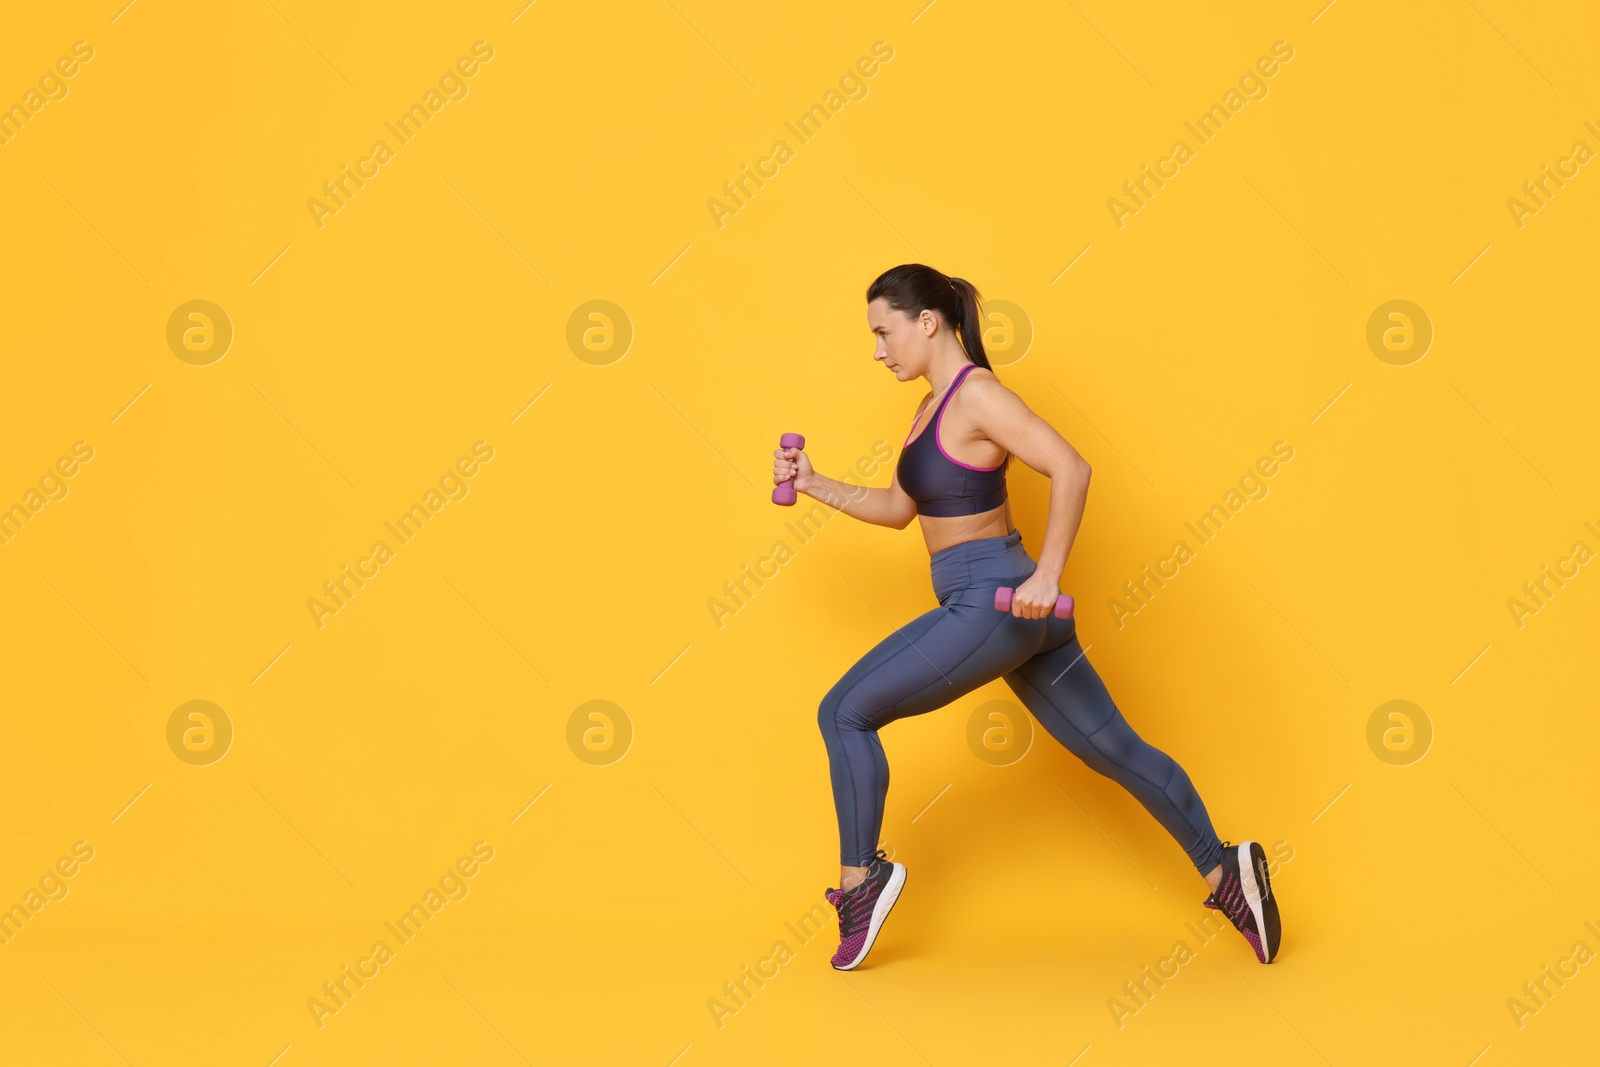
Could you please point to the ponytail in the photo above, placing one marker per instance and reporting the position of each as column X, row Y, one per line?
column 969, row 322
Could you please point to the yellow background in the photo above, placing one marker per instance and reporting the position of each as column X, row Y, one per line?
column 372, row 752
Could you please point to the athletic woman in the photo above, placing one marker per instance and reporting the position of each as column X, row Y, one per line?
column 951, row 476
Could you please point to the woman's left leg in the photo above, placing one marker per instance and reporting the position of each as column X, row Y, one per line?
column 938, row 657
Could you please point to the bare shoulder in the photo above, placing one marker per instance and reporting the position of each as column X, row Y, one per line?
column 986, row 386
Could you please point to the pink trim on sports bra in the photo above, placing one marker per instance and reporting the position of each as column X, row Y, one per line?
column 938, row 420
column 924, row 429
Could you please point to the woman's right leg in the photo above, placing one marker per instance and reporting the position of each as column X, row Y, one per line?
column 1065, row 694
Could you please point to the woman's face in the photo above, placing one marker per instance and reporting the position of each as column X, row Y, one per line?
column 903, row 344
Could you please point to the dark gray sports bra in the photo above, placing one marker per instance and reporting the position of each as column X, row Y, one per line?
column 941, row 484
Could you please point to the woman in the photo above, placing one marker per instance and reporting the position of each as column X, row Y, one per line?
column 951, row 476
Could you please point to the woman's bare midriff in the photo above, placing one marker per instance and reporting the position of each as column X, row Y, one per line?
column 941, row 532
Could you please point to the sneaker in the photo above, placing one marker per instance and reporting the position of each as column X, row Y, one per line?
column 863, row 908
column 1245, row 896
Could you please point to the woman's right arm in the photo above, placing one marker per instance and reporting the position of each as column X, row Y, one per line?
column 881, row 507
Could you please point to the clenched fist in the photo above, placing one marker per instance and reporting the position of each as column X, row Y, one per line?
column 791, row 463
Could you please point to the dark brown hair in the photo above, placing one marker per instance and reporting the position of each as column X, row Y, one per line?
column 910, row 287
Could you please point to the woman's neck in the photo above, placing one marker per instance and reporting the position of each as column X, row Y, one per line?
column 944, row 370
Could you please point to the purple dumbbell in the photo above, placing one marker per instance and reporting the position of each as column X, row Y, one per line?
column 783, row 492
column 1002, row 602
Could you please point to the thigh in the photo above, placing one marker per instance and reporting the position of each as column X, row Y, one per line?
column 1065, row 693
column 939, row 656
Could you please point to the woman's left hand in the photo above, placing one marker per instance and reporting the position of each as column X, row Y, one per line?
column 1035, row 598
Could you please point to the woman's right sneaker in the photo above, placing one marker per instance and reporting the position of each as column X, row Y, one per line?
column 1245, row 896
column 863, row 908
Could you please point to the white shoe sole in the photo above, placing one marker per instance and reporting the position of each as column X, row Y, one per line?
column 880, row 912
column 1253, row 895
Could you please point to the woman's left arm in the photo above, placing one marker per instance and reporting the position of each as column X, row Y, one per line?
column 1002, row 416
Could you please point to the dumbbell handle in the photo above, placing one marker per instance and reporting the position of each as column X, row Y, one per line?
column 783, row 492
column 1002, row 602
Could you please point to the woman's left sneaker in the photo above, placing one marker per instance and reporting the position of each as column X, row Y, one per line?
column 1245, row 896
column 863, row 908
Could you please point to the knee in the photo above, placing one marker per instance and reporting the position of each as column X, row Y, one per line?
column 849, row 718
column 1116, row 749
column 1095, row 761
column 842, row 711
column 1118, row 745
column 837, row 715
column 834, row 713
column 828, row 714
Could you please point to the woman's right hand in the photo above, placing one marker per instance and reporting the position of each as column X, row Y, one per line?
column 791, row 463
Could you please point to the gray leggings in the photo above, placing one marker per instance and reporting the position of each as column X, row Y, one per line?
column 964, row 643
